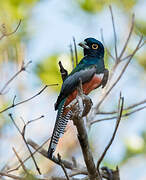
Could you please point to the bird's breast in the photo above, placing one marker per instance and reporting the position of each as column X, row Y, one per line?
column 87, row 87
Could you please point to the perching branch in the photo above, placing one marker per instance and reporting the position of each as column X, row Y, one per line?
column 83, row 139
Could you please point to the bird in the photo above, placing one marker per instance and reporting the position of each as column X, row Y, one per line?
column 91, row 72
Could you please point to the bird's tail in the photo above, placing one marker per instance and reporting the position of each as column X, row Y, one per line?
column 61, row 121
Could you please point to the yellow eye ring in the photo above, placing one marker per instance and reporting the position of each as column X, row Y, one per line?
column 94, row 46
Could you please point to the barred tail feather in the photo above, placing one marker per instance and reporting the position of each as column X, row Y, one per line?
column 59, row 128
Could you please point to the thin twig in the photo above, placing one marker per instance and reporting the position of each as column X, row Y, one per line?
column 128, row 38
column 102, row 38
column 21, row 162
column 23, row 68
column 23, row 137
column 125, row 109
column 67, row 164
column 72, row 56
column 8, row 34
column 24, row 101
column 75, row 50
column 114, row 30
column 120, row 110
column 62, row 166
column 120, row 75
column 11, row 176
column 30, row 121
column 114, row 117
column 39, row 147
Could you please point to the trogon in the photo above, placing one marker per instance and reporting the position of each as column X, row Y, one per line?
column 92, row 73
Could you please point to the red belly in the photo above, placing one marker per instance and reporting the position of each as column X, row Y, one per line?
column 87, row 88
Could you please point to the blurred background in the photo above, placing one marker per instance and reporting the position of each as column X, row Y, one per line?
column 44, row 37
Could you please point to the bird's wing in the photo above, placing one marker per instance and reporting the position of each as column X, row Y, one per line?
column 105, row 78
column 83, row 72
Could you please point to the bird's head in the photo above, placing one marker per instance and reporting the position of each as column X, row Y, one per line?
column 92, row 47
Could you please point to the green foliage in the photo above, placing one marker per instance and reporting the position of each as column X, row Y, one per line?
column 91, row 6
column 11, row 11
column 134, row 145
column 95, row 6
column 141, row 27
column 4, row 120
column 48, row 69
column 106, row 60
column 126, row 4
column 30, row 177
column 15, row 9
column 142, row 60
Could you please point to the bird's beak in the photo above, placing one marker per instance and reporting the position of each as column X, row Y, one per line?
column 84, row 45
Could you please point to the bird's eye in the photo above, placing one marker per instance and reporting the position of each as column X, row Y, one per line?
column 94, row 46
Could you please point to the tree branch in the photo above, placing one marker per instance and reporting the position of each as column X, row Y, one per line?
column 72, row 56
column 8, row 34
column 21, row 162
column 39, row 147
column 67, row 164
column 26, row 100
column 83, row 138
column 119, row 77
column 23, row 137
column 114, row 30
column 11, row 176
column 114, row 117
column 120, row 110
column 128, row 38
column 23, row 68
column 63, row 168
column 75, row 50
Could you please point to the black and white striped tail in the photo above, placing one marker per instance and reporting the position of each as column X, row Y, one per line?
column 60, row 125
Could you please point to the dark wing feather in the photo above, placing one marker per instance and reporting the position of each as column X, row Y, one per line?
column 105, row 78
column 72, row 81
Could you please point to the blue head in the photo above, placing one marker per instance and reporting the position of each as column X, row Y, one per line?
column 92, row 47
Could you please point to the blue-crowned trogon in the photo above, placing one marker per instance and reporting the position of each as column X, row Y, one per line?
column 91, row 70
